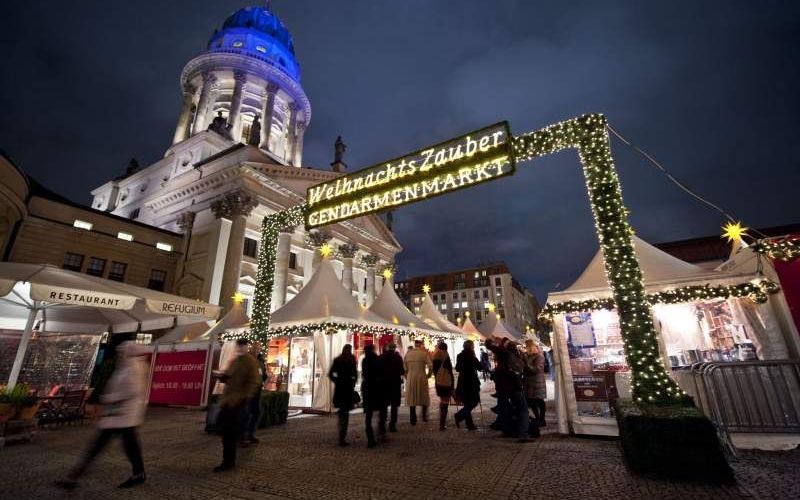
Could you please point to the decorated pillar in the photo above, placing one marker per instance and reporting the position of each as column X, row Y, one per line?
column 369, row 262
column 291, row 136
column 267, row 112
column 235, row 114
column 281, row 267
column 315, row 239
column 297, row 156
column 182, row 130
column 348, row 252
column 210, row 84
column 236, row 207
column 186, row 224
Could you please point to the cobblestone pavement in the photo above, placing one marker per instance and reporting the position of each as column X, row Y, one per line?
column 300, row 460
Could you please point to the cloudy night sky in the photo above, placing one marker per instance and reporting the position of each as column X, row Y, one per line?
column 710, row 90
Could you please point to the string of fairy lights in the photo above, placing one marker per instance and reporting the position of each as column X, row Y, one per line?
column 588, row 134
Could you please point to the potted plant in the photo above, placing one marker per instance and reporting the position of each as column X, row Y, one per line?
column 25, row 402
column 7, row 409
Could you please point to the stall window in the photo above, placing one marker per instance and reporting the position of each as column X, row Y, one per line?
column 250, row 247
column 117, row 271
column 157, row 280
column 73, row 262
column 96, row 266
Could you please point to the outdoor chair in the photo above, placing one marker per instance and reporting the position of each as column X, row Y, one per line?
column 69, row 408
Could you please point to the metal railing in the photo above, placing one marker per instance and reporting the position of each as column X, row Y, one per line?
column 749, row 396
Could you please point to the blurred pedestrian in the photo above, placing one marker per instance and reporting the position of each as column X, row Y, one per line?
column 418, row 370
column 371, row 390
column 535, row 387
column 241, row 381
column 252, row 412
column 486, row 365
column 391, row 365
column 124, row 406
column 468, row 388
column 513, row 417
column 343, row 373
column 444, row 380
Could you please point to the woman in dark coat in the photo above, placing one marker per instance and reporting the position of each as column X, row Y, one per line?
column 343, row 374
column 468, row 389
column 444, row 380
column 535, row 388
column 371, row 390
column 392, row 371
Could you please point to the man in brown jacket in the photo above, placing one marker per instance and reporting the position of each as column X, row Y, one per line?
column 241, row 382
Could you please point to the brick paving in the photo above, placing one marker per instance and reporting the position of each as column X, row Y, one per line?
column 300, row 460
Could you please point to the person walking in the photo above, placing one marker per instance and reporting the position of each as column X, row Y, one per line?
column 371, row 393
column 343, row 373
column 486, row 365
column 468, row 388
column 124, row 406
column 391, row 365
column 252, row 413
column 535, row 387
column 513, row 417
column 444, row 380
column 418, row 369
column 241, row 382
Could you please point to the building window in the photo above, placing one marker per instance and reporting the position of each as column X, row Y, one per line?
column 82, row 224
column 250, row 247
column 478, row 315
column 455, row 295
column 463, row 295
column 485, row 293
column 73, row 262
column 483, row 273
column 444, row 307
column 464, row 305
column 96, row 266
column 477, row 294
column 157, row 280
column 293, row 261
column 117, row 271
column 164, row 246
column 497, row 281
column 134, row 214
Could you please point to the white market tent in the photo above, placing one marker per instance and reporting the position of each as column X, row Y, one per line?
column 471, row 330
column 432, row 317
column 56, row 300
column 494, row 326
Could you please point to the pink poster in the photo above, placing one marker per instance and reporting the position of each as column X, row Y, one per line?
column 178, row 378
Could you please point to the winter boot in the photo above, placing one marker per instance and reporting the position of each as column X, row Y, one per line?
column 442, row 417
column 413, row 412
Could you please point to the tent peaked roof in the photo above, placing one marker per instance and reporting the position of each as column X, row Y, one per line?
column 323, row 299
column 656, row 265
column 496, row 327
column 469, row 328
column 434, row 318
column 388, row 306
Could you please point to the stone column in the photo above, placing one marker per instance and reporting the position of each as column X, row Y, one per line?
column 235, row 115
column 186, row 224
column 182, row 130
column 203, row 104
column 347, row 252
column 234, row 206
column 315, row 239
column 369, row 262
column 281, row 268
column 298, row 144
column 266, row 113
column 291, row 136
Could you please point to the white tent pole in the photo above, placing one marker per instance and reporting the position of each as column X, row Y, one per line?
column 23, row 346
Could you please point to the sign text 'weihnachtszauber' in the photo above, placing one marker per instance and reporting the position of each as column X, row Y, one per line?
column 465, row 161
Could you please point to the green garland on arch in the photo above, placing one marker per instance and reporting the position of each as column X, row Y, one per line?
column 757, row 292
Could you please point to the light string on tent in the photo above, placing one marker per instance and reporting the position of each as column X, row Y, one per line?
column 330, row 328
column 758, row 292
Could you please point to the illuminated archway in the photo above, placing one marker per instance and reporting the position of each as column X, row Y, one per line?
column 589, row 136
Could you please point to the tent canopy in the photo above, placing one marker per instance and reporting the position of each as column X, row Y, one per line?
column 496, row 327
column 388, row 306
column 431, row 316
column 322, row 300
column 470, row 329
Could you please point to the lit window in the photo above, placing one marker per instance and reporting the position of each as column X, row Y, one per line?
column 238, row 43
column 125, row 236
column 164, row 246
column 464, row 305
column 82, row 224
column 444, row 307
column 455, row 305
column 96, row 266
column 261, row 48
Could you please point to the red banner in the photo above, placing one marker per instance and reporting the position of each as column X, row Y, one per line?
column 178, row 378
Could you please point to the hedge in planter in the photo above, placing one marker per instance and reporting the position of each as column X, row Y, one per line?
column 274, row 408
column 673, row 441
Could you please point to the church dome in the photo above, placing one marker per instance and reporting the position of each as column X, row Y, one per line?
column 257, row 32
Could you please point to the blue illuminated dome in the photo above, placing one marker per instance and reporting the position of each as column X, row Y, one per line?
column 257, row 32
